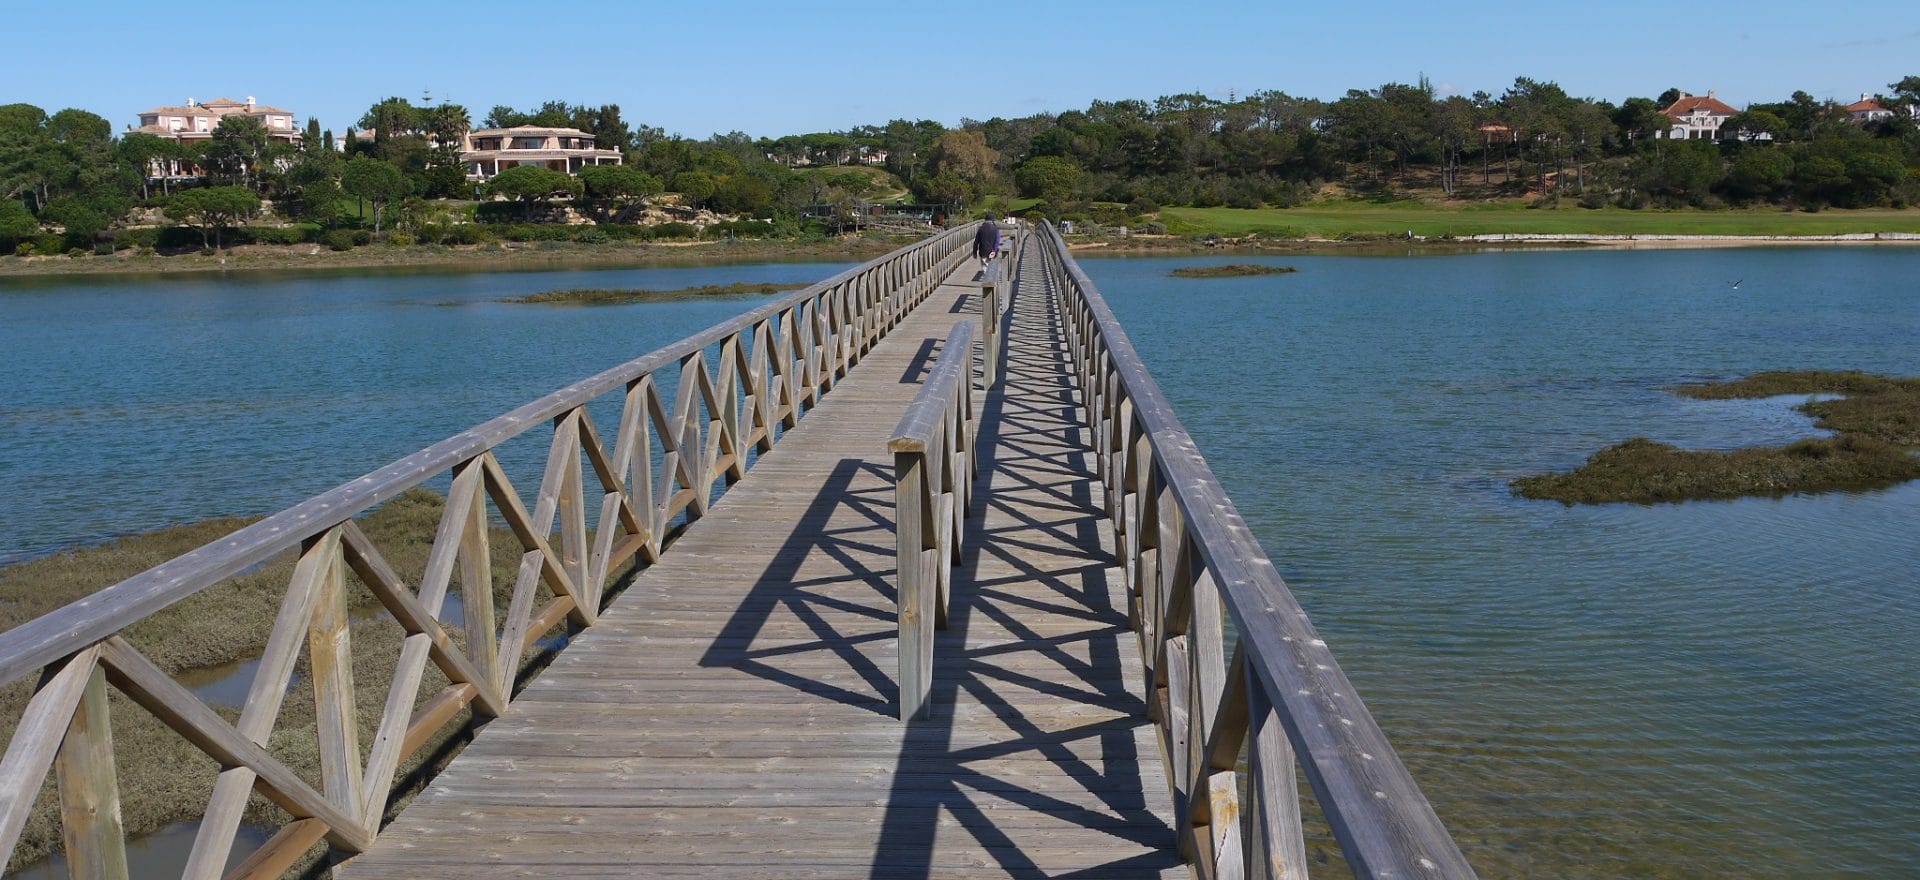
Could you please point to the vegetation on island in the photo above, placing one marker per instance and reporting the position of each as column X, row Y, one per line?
column 162, row 778
column 595, row 296
column 1231, row 270
column 1877, row 425
column 1280, row 165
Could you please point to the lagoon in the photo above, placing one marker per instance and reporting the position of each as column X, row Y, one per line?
column 1707, row 689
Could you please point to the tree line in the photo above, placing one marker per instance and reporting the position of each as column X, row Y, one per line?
column 68, row 171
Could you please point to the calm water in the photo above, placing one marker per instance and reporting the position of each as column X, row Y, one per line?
column 130, row 405
column 1701, row 690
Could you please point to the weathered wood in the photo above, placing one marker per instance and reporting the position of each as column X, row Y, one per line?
column 281, row 851
column 178, row 708
column 89, row 792
column 1382, row 821
column 337, row 714
column 732, row 713
column 44, row 640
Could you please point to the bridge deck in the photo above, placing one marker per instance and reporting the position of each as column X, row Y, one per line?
column 733, row 713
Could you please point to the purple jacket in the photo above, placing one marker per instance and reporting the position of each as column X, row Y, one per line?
column 986, row 242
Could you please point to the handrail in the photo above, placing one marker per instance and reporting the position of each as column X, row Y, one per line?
column 1189, row 555
column 933, row 464
column 773, row 365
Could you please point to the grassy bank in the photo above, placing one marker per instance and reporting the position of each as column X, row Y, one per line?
column 1878, row 425
column 164, row 780
column 1231, row 270
column 596, row 296
column 1338, row 219
column 529, row 256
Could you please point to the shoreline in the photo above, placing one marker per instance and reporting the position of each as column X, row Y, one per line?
column 525, row 257
column 1141, row 245
column 551, row 256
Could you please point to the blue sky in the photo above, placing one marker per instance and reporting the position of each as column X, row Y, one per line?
column 784, row 68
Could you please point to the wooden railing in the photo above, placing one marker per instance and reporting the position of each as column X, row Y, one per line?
column 1275, row 689
column 933, row 464
column 771, row 365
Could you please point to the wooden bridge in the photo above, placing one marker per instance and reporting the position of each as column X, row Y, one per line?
column 913, row 574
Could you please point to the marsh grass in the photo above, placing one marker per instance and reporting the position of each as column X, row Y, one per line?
column 162, row 778
column 1232, row 270
column 597, row 296
column 1877, row 425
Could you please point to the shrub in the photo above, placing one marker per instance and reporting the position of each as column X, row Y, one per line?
column 23, row 249
column 278, row 234
column 468, row 233
column 76, row 253
column 592, row 235
column 678, row 230
column 50, row 243
column 400, row 239
column 1142, row 205
column 497, row 212
column 340, row 240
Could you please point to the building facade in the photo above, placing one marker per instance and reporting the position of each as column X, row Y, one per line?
column 1867, row 110
column 195, row 123
column 490, row 151
column 1697, row 118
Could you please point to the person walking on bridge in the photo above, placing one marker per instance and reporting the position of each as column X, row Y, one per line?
column 986, row 242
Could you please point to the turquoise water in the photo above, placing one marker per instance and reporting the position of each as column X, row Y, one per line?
column 1726, row 689
column 1702, row 690
column 134, row 404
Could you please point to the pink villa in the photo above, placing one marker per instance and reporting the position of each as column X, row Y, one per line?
column 196, row 121
column 492, row 150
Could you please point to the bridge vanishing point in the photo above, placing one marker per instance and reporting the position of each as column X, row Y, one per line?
column 914, row 573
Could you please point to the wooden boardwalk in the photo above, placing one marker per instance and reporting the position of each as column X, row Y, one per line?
column 733, row 713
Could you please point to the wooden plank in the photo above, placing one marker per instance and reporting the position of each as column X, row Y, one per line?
column 731, row 713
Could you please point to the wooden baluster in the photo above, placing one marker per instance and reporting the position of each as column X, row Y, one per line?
column 330, row 661
column 572, row 513
column 1145, row 535
column 89, row 791
column 36, row 741
column 692, row 457
column 476, row 584
column 1276, row 843
column 1215, row 788
column 915, row 594
column 213, row 842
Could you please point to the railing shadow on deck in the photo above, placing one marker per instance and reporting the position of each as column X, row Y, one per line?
column 1037, row 447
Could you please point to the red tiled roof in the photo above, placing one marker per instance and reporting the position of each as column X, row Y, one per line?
column 1867, row 106
column 1691, row 103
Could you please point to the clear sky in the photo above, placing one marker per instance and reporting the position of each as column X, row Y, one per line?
column 695, row 68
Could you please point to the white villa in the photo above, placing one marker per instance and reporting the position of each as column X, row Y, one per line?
column 196, row 121
column 1697, row 118
column 492, row 150
column 1867, row 110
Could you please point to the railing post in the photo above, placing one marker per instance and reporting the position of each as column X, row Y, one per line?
column 89, row 791
column 915, row 595
column 990, row 324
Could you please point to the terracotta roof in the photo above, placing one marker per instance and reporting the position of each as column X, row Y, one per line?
column 1691, row 103
column 1866, row 105
column 195, row 110
column 528, row 130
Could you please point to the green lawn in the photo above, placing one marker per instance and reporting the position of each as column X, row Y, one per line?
column 1332, row 219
